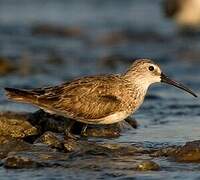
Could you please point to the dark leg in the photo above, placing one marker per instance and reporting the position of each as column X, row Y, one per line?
column 83, row 131
column 131, row 121
column 68, row 129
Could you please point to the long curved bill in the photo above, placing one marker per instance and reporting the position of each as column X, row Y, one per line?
column 167, row 80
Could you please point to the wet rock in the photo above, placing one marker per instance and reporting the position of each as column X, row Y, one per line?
column 125, row 149
column 21, row 125
column 16, row 125
column 52, row 139
column 8, row 144
column 36, row 156
column 83, row 148
column 54, row 30
column 148, row 166
column 109, row 131
column 71, row 145
column 47, row 122
column 35, row 159
column 18, row 162
column 190, row 152
column 19, row 154
column 106, row 131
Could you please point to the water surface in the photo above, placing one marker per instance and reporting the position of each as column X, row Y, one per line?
column 168, row 115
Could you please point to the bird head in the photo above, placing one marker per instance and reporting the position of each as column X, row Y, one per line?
column 145, row 72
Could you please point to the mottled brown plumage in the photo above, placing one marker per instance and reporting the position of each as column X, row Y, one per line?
column 104, row 99
column 87, row 99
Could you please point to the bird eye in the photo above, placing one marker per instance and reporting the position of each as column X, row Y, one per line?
column 151, row 68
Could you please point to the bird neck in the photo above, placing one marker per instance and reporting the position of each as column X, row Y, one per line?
column 137, row 81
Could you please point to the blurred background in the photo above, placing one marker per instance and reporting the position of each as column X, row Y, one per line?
column 46, row 42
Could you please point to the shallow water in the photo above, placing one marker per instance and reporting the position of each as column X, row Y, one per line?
column 168, row 115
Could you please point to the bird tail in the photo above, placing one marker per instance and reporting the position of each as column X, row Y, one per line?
column 20, row 95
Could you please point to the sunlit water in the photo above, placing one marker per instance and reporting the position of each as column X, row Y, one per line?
column 168, row 115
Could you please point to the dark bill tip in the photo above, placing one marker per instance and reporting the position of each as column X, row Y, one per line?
column 167, row 80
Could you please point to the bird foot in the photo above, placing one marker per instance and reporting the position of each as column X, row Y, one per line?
column 70, row 135
column 84, row 134
column 84, row 131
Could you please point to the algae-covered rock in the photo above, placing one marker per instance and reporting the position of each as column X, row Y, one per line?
column 148, row 166
column 16, row 125
column 52, row 139
column 71, row 145
column 18, row 162
column 190, row 152
column 109, row 131
column 8, row 144
column 37, row 156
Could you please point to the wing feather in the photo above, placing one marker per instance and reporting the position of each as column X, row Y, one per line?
column 87, row 98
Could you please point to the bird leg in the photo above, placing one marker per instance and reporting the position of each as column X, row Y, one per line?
column 132, row 122
column 68, row 129
column 83, row 131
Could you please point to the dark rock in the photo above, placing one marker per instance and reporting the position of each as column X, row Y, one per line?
column 20, row 154
column 36, row 156
column 16, row 125
column 52, row 139
column 29, row 125
column 47, row 122
column 190, row 152
column 9, row 144
column 106, row 131
column 84, row 148
column 125, row 149
column 19, row 162
column 71, row 145
column 61, row 31
column 109, row 131
column 148, row 166
column 166, row 151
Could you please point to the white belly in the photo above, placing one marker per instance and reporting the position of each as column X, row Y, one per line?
column 114, row 118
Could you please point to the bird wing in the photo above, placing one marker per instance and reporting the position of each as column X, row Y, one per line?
column 87, row 98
